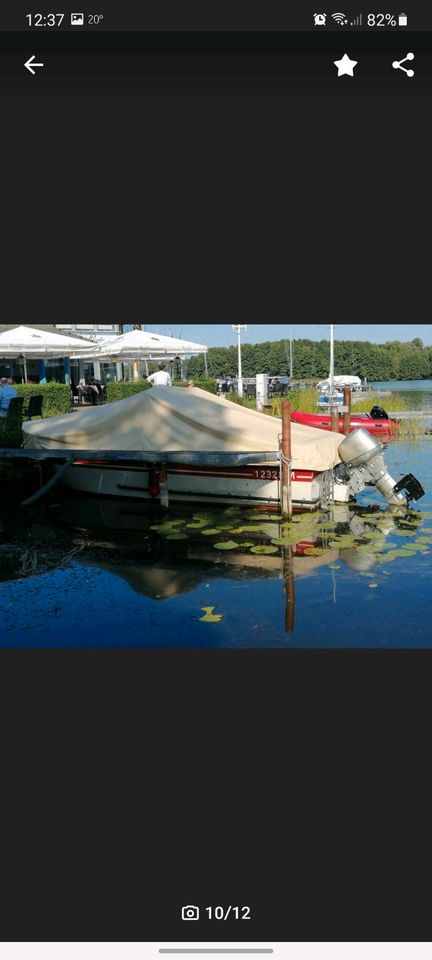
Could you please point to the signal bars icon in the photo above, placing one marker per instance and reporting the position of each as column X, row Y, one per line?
column 357, row 22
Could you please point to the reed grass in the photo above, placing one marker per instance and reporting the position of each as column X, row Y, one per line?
column 411, row 428
column 306, row 400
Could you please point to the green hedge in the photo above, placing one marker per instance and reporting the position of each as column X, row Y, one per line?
column 209, row 385
column 11, row 431
column 57, row 396
column 119, row 391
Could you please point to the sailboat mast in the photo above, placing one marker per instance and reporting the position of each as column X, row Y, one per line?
column 291, row 354
column 331, row 377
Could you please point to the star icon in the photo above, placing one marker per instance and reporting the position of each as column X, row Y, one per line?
column 345, row 66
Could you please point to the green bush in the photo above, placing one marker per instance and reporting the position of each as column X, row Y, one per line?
column 57, row 396
column 209, row 385
column 119, row 391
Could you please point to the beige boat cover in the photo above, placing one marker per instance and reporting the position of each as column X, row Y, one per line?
column 180, row 419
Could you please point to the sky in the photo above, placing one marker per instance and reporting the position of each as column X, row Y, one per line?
column 222, row 335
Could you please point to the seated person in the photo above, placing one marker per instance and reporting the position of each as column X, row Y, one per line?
column 93, row 390
column 7, row 392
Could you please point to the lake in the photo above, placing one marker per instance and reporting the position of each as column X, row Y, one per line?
column 81, row 572
column 418, row 393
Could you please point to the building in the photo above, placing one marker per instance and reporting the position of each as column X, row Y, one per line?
column 94, row 331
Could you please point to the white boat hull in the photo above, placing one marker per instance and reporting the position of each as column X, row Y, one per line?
column 240, row 485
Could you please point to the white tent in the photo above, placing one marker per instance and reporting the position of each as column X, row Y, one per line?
column 142, row 345
column 27, row 343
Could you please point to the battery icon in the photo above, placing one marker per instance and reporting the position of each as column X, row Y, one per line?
column 403, row 20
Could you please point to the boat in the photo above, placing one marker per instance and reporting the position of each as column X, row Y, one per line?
column 386, row 428
column 339, row 383
column 330, row 391
column 186, row 445
column 326, row 400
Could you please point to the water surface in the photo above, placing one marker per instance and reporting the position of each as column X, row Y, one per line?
column 81, row 572
column 416, row 393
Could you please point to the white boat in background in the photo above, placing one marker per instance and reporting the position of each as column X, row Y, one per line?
column 331, row 390
column 186, row 445
column 339, row 383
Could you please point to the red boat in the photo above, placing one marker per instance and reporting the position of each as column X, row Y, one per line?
column 384, row 427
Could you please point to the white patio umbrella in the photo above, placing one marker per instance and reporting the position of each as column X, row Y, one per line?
column 26, row 343
column 142, row 345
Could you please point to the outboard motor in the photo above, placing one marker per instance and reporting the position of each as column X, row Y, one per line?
column 378, row 413
column 362, row 456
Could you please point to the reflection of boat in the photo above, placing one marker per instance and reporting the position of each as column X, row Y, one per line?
column 123, row 540
column 186, row 445
column 384, row 428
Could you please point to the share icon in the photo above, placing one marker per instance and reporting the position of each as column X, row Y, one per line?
column 398, row 64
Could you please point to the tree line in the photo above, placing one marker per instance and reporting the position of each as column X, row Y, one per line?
column 371, row 361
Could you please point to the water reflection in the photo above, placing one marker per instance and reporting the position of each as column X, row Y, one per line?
column 163, row 555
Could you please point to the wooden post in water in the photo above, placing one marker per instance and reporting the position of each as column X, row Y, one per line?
column 289, row 587
column 334, row 417
column 347, row 410
column 286, row 493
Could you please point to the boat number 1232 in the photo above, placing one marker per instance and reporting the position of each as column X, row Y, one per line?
column 266, row 474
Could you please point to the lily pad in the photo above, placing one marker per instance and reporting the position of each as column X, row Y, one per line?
column 177, row 536
column 210, row 532
column 248, row 529
column 393, row 554
column 264, row 551
column 288, row 541
column 164, row 529
column 209, row 616
column 226, row 545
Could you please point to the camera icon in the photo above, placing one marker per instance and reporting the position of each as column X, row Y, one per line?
column 190, row 913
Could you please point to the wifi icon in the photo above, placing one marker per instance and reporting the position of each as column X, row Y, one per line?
column 340, row 18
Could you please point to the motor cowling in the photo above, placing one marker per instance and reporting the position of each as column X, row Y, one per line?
column 362, row 451
column 378, row 413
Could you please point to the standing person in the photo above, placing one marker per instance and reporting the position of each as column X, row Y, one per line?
column 7, row 392
column 161, row 378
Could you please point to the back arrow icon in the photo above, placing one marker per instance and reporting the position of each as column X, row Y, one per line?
column 30, row 64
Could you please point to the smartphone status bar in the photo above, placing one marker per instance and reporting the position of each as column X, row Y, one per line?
column 216, row 15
